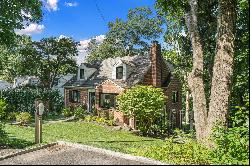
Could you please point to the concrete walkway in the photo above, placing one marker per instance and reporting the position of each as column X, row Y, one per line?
column 76, row 154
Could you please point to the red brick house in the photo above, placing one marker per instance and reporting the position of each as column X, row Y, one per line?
column 97, row 84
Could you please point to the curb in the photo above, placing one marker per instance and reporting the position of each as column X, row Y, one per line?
column 27, row 151
column 88, row 148
column 112, row 153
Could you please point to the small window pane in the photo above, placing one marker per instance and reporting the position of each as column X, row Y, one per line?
column 119, row 72
column 175, row 96
column 81, row 73
column 74, row 96
column 107, row 100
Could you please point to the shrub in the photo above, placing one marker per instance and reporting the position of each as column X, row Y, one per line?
column 2, row 114
column 66, row 112
column 189, row 153
column 232, row 144
column 11, row 116
column 3, row 106
column 1, row 129
column 110, row 122
column 52, row 98
column 23, row 117
column 93, row 118
column 87, row 118
column 146, row 103
column 100, row 120
column 22, row 99
column 160, row 128
column 80, row 112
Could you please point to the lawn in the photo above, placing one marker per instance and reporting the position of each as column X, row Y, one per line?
column 85, row 133
column 103, row 137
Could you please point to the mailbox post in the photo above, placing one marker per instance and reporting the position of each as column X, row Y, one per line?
column 38, row 123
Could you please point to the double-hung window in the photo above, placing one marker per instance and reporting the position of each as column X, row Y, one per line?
column 81, row 73
column 107, row 100
column 74, row 96
column 119, row 72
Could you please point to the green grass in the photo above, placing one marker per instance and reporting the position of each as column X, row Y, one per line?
column 84, row 133
column 103, row 137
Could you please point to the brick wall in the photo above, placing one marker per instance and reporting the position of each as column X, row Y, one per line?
column 106, row 87
column 110, row 87
column 158, row 75
column 175, row 85
column 83, row 97
column 118, row 117
column 159, row 70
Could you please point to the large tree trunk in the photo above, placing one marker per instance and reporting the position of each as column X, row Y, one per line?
column 195, row 80
column 223, row 65
column 222, row 70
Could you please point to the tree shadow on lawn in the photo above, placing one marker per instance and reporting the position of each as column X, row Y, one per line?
column 14, row 143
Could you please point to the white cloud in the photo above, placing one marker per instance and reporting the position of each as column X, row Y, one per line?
column 24, row 14
column 100, row 38
column 71, row 4
column 84, row 45
column 31, row 29
column 62, row 36
column 51, row 5
column 82, row 48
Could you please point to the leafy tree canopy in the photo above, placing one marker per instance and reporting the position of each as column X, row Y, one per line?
column 15, row 14
column 127, row 37
column 48, row 58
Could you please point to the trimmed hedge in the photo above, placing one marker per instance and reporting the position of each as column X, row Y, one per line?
column 22, row 99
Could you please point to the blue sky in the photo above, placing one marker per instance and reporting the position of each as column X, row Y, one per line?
column 81, row 19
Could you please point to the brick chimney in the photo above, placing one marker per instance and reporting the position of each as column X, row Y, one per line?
column 155, row 57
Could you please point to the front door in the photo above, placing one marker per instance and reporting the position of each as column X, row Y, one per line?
column 91, row 101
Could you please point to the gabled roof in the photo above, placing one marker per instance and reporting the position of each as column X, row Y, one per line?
column 5, row 85
column 91, row 65
column 139, row 64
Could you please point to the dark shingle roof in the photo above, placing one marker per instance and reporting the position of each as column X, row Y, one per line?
column 92, row 65
column 139, row 65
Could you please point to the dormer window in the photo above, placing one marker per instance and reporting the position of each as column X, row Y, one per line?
column 119, row 72
column 81, row 73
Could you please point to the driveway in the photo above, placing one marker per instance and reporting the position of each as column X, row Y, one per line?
column 70, row 155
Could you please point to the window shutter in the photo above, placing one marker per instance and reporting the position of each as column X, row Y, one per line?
column 177, row 96
column 70, row 95
column 78, row 96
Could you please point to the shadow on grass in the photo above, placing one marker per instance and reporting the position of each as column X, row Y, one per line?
column 13, row 143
